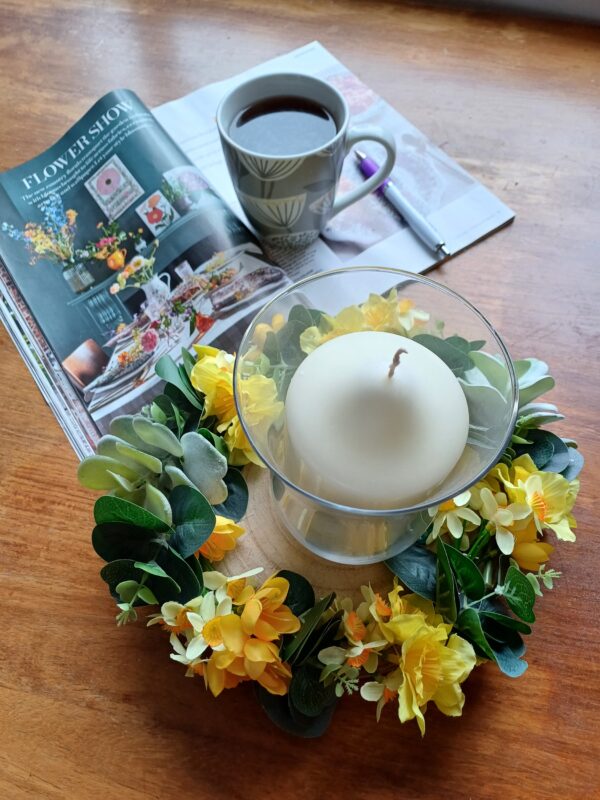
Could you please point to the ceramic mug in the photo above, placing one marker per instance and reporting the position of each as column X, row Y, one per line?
column 289, row 199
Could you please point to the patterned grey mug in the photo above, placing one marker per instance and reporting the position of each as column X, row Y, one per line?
column 290, row 198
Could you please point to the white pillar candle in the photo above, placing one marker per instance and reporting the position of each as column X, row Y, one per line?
column 365, row 439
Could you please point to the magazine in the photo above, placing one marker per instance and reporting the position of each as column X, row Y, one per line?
column 124, row 241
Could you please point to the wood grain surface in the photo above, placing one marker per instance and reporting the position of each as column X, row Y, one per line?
column 89, row 711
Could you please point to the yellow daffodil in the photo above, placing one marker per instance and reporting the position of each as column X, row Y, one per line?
column 409, row 316
column 451, row 516
column 213, row 376
column 381, row 314
column 549, row 496
column 223, row 539
column 529, row 552
column 234, row 586
column 502, row 518
column 408, row 613
column 265, row 614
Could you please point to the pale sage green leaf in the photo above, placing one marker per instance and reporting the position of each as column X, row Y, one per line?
column 122, row 427
column 137, row 456
column 97, row 472
column 530, row 369
column 205, row 467
column 148, row 596
column 156, row 502
column 486, row 404
column 530, row 391
column 157, row 435
column 108, row 446
column 494, row 370
column 178, row 477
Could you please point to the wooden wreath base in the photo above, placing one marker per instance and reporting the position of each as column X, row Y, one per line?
column 268, row 544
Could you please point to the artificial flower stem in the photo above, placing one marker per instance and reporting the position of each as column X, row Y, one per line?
column 479, row 543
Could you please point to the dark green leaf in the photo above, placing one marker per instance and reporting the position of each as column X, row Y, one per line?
column 306, row 316
column 271, row 348
column 310, row 621
column 289, row 343
column 476, row 344
column 301, row 595
column 217, row 441
column 193, row 520
column 115, row 509
column 445, row 591
column 278, row 710
column 307, row 694
column 508, row 622
column 542, row 449
column 181, row 572
column 168, row 370
column 457, row 359
column 467, row 574
column 321, row 637
column 237, row 498
column 469, row 624
column 125, row 570
column 116, row 540
column 519, row 594
column 196, row 567
column 416, row 569
column 189, row 362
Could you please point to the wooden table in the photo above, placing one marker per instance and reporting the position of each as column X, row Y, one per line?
column 89, row 711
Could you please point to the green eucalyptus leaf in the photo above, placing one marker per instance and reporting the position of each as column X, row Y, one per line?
column 416, row 569
column 306, row 316
column 445, row 591
column 519, row 594
column 301, row 595
column 168, row 370
column 127, row 590
column 157, row 435
column 96, row 472
column 188, row 361
column 205, row 467
column 181, row 572
column 193, row 519
column 148, row 596
column 307, row 694
column 236, row 504
column 278, row 710
column 124, row 569
column 467, row 574
column 322, row 636
column 196, row 567
column 574, row 466
column 115, row 509
column 156, row 503
column 152, row 568
column 508, row 662
column 116, row 540
column 310, row 620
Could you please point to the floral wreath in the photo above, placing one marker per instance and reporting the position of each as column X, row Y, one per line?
column 462, row 595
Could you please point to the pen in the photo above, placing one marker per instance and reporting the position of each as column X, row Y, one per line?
column 416, row 221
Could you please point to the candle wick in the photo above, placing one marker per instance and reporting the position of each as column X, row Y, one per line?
column 395, row 362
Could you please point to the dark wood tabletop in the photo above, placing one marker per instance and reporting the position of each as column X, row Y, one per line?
column 91, row 711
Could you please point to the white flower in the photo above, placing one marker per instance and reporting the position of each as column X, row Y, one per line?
column 452, row 513
column 501, row 516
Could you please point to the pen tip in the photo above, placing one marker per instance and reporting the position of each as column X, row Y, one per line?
column 359, row 155
column 444, row 250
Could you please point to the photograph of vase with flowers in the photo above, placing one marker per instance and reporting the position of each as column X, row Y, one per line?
column 53, row 239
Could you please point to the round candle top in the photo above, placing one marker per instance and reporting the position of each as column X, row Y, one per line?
column 363, row 438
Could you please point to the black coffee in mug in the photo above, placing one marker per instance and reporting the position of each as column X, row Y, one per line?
column 283, row 126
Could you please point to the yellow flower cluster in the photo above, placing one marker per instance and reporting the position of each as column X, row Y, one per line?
column 233, row 632
column 378, row 314
column 517, row 504
column 213, row 376
column 410, row 647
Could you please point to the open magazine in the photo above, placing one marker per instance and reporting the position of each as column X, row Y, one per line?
column 124, row 241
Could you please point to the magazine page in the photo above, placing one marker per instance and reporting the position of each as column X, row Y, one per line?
column 369, row 232
column 115, row 252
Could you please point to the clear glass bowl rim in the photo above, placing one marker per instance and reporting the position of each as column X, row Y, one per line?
column 376, row 512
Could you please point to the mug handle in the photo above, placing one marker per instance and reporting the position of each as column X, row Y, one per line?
column 373, row 133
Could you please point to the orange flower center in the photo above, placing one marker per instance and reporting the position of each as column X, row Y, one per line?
column 539, row 505
column 355, row 627
column 358, row 661
column 448, row 506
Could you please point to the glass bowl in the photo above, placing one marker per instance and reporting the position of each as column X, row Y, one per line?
column 343, row 302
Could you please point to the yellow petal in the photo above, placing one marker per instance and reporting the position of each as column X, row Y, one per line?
column 215, row 677
column 251, row 615
column 232, row 633
column 255, row 650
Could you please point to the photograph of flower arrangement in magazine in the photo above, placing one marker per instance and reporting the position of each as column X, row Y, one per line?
column 124, row 241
